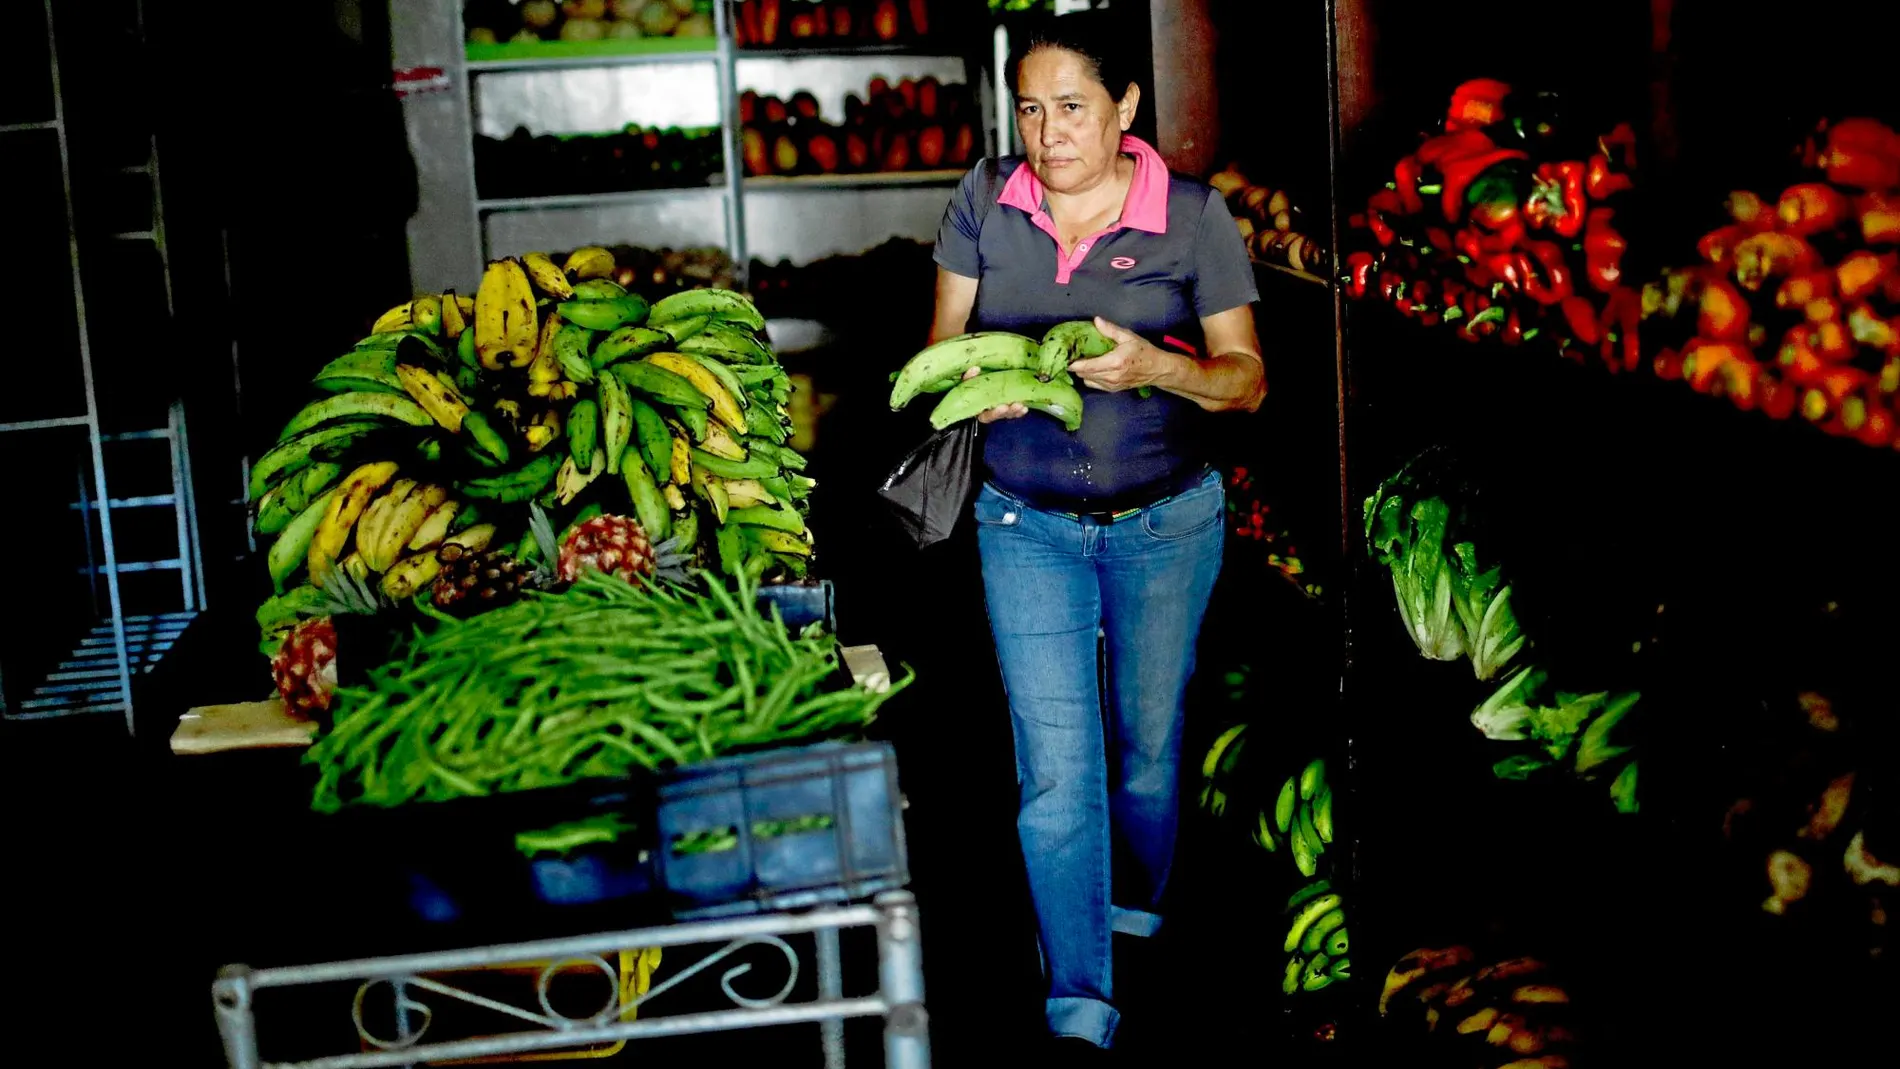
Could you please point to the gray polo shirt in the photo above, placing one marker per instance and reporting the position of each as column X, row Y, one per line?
column 1173, row 258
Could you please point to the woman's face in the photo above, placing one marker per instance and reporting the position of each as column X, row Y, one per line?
column 1071, row 126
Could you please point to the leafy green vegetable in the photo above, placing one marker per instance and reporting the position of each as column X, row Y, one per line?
column 1505, row 714
column 1595, row 749
column 1623, row 791
column 562, row 839
column 1557, row 726
column 1483, row 602
column 1519, row 766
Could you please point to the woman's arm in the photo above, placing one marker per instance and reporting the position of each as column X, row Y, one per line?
column 956, row 297
column 1234, row 377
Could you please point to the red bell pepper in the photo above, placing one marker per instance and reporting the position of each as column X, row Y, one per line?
column 1723, row 313
column 1860, row 273
column 1461, row 175
column 1870, row 330
column 1810, row 208
column 1832, row 389
column 1359, row 268
column 1377, row 206
column 1702, row 360
column 1483, row 322
column 1862, row 153
column 1478, row 102
column 1603, row 250
column 1391, row 284
column 1797, row 290
column 1439, row 238
column 1479, row 246
column 1878, row 430
column 1405, row 176
column 1512, row 333
column 1620, row 325
column 1778, row 397
column 1601, row 182
column 1831, row 341
column 1799, row 362
column 1668, row 365
column 1748, row 209
column 1621, row 136
column 1435, row 151
column 1890, row 373
column 1879, row 217
column 1500, row 216
column 1740, row 380
column 1557, row 198
column 1581, row 316
column 1718, row 246
column 1759, row 257
column 1544, row 277
column 1822, row 309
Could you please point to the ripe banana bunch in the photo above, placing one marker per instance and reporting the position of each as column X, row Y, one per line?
column 345, row 506
column 1509, row 1005
column 1316, row 938
column 413, row 573
column 506, row 327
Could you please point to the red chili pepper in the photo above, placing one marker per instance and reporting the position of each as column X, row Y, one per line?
column 1557, row 198
column 1810, row 208
column 1603, row 250
column 1545, row 275
column 1723, row 314
column 1718, row 246
column 1512, row 333
column 1405, row 176
column 1581, row 315
column 1601, row 182
column 1862, row 153
column 1377, row 206
column 1462, row 174
column 1621, row 328
column 1478, row 102
column 1359, row 268
column 1437, row 150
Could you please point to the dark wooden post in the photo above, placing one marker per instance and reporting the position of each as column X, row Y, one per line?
column 1187, row 98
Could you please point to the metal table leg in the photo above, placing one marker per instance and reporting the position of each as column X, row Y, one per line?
column 831, row 988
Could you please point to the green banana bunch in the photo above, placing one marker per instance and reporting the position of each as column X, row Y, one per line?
column 947, row 361
column 611, row 313
column 571, row 343
column 284, row 501
column 1218, row 762
column 616, row 419
column 583, row 425
column 654, row 440
column 294, row 454
column 1065, row 343
column 1304, row 812
column 729, row 343
column 1316, row 937
column 660, row 384
column 993, row 388
column 627, row 342
column 359, row 404
column 360, row 370
column 515, row 486
column 712, row 305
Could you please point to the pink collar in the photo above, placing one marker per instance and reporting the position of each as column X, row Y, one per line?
column 1145, row 209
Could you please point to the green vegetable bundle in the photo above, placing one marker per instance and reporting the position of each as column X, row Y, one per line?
column 598, row 680
column 1568, row 730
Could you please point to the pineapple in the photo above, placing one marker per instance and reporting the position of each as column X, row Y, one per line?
column 617, row 545
column 472, row 582
column 305, row 664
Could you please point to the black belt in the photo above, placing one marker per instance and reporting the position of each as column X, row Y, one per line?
column 1122, row 507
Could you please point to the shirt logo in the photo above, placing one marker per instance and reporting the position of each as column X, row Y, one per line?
column 1122, row 263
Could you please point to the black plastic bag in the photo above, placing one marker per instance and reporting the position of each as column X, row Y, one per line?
column 930, row 488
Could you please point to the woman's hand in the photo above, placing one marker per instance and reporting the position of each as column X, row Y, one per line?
column 1132, row 364
column 991, row 415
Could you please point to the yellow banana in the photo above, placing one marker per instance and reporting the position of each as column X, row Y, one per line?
column 346, row 507
column 780, row 541
column 402, row 524
column 547, row 276
column 427, row 313
column 674, row 499
column 589, row 261
column 397, row 318
column 435, row 526
column 410, row 575
column 466, row 306
column 682, row 459
column 744, row 492
column 375, row 519
column 454, row 321
column 720, row 443
column 505, row 326
column 571, row 480
column 544, row 372
column 542, row 429
column 435, row 393
column 354, row 567
column 724, row 406
column 474, row 539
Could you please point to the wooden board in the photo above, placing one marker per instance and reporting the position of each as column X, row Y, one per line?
column 243, row 726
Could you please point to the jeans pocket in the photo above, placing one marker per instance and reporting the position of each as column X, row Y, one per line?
column 1188, row 514
column 996, row 509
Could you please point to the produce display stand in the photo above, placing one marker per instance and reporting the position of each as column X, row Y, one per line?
column 406, row 980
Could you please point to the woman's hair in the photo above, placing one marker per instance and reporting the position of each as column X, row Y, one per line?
column 1092, row 35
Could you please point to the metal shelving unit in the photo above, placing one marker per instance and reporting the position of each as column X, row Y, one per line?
column 452, row 233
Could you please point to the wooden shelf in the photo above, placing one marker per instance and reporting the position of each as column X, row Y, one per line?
column 1303, row 276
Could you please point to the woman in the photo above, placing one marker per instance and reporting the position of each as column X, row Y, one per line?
column 1114, row 530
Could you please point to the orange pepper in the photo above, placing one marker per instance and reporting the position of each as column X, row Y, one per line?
column 1724, row 314
column 1703, row 359
column 1860, row 272
column 1748, row 209
column 1761, row 256
column 1718, row 246
column 1832, row 342
column 1798, row 290
column 1810, row 208
column 1798, row 360
column 1879, row 216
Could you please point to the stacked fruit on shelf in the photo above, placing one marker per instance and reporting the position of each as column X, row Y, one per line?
column 794, row 23
column 917, row 124
column 529, row 165
column 1795, row 307
column 1502, row 226
column 1512, row 1006
column 488, row 22
column 469, row 449
column 659, row 273
column 1270, row 223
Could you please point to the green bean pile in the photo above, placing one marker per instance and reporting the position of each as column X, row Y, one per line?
column 597, row 680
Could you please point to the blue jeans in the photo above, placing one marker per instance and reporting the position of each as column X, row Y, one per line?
column 1053, row 582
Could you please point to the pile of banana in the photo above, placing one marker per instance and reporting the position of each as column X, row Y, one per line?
column 456, row 415
column 1302, row 813
column 1012, row 369
column 1510, row 1011
column 1316, row 938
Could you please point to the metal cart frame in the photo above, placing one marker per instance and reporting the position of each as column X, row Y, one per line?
column 899, row 997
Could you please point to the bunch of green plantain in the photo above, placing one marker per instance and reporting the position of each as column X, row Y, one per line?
column 1302, row 815
column 1316, row 940
column 456, row 415
column 1012, row 370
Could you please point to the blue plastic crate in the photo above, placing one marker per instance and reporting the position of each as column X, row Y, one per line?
column 786, row 829
column 802, row 602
